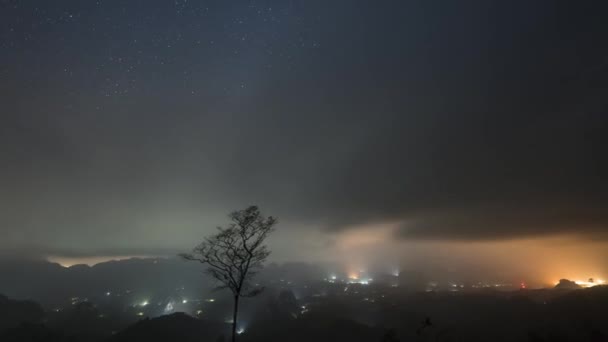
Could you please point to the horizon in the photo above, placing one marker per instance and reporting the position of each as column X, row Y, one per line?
column 347, row 271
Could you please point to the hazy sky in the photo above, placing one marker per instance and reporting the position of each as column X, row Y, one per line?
column 133, row 127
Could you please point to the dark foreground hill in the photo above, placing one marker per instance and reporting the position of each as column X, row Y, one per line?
column 15, row 312
column 175, row 327
column 530, row 315
column 30, row 332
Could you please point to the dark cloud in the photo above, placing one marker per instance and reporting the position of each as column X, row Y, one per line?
column 124, row 129
column 508, row 221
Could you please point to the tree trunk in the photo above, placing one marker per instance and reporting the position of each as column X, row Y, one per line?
column 234, row 315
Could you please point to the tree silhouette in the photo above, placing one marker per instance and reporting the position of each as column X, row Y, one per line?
column 236, row 253
column 390, row 336
column 425, row 324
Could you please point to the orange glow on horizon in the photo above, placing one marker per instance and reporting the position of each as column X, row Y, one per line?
column 539, row 261
column 90, row 261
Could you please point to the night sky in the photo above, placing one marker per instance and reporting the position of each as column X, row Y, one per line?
column 133, row 127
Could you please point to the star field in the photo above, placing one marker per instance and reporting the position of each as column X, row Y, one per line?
column 132, row 127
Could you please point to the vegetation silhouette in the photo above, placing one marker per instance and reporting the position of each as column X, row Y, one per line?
column 236, row 253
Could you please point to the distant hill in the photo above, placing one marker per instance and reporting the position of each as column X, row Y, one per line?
column 51, row 284
column 565, row 284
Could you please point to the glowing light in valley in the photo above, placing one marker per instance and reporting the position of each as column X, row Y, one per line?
column 169, row 308
column 90, row 261
column 144, row 303
column 590, row 283
column 362, row 281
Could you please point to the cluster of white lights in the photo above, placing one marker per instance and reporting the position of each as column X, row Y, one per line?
column 360, row 281
column 353, row 279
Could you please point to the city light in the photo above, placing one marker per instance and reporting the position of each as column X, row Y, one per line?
column 168, row 308
column 590, row 282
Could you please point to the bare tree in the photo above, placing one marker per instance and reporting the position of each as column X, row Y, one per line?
column 236, row 253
